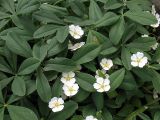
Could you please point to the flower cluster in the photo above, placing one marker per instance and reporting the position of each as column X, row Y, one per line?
column 102, row 83
column 70, row 86
column 76, row 32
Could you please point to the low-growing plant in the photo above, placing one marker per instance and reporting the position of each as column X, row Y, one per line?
column 79, row 60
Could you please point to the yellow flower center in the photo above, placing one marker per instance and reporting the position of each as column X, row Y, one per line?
column 102, row 86
column 56, row 104
column 71, row 90
column 68, row 78
column 139, row 60
column 106, row 65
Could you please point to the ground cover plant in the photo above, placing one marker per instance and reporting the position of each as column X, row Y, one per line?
column 79, row 60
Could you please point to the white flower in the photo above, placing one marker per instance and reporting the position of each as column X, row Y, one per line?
column 138, row 60
column 68, row 78
column 56, row 104
column 154, row 47
column 76, row 31
column 144, row 35
column 106, row 63
column 70, row 90
column 101, row 73
column 75, row 46
column 102, row 85
column 91, row 118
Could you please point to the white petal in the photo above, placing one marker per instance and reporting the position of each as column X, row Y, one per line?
column 67, row 93
column 106, row 81
column 61, row 101
column 65, row 74
column 77, row 36
column 104, row 60
column 96, row 85
column 141, row 64
column 144, row 60
column 134, row 57
column 71, row 74
column 59, row 108
column 75, row 86
column 107, row 88
column 100, row 80
column 134, row 64
column 100, row 90
column 140, row 55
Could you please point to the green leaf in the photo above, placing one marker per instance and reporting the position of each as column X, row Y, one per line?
column 18, row 45
column 60, row 64
column 69, row 109
column 80, row 96
column 59, row 11
column 27, row 6
column 8, row 5
column 117, row 30
column 57, row 88
column 95, row 12
column 1, row 113
column 62, row 34
column 98, row 100
column 106, row 115
column 116, row 78
column 143, row 43
column 40, row 51
column 108, row 19
column 141, row 17
column 86, row 53
column 19, row 86
column 1, row 96
column 78, row 8
column 157, row 115
column 88, row 110
column 4, row 66
column 45, row 30
column 85, row 81
column 54, row 47
column 19, row 113
column 5, row 82
column 47, row 17
column 126, row 58
column 155, row 79
column 28, row 66
column 43, row 87
column 77, row 117
column 4, row 15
